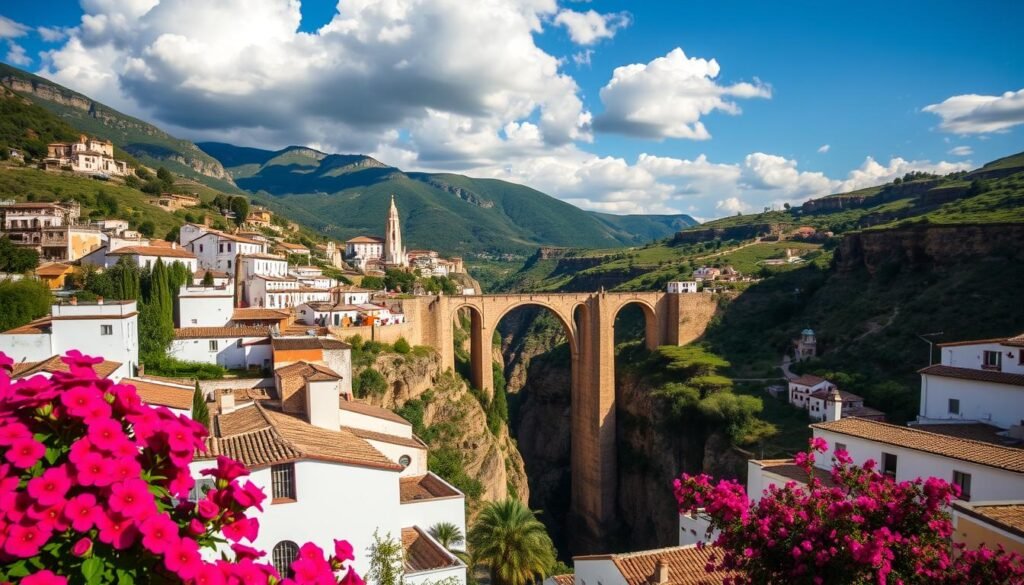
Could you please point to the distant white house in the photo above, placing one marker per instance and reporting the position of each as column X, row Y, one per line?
column 800, row 389
column 102, row 328
column 706, row 273
column 240, row 348
column 219, row 251
column 201, row 306
column 142, row 256
column 682, row 286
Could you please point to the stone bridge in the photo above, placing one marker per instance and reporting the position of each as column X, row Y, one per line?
column 588, row 320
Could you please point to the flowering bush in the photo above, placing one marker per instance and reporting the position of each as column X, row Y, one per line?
column 94, row 488
column 857, row 527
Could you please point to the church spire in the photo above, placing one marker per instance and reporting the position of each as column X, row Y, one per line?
column 394, row 252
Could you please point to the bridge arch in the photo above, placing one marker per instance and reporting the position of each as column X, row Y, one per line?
column 652, row 333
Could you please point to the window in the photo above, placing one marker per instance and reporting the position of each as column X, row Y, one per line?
column 106, row 329
column 992, row 360
column 283, row 556
column 840, row 447
column 282, row 479
column 889, row 464
column 954, row 406
column 963, row 481
column 404, row 460
column 200, row 488
column 213, row 345
column 194, row 321
column 200, row 247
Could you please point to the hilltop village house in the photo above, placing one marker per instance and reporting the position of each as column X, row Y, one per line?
column 88, row 155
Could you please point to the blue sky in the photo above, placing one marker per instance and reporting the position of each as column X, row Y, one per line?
column 854, row 77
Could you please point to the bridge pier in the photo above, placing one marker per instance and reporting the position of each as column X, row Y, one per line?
column 589, row 320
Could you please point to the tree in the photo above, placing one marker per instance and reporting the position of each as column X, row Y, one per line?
column 511, row 542
column 867, row 529
column 369, row 383
column 165, row 177
column 147, row 228
column 200, row 412
column 386, row 561
column 15, row 259
column 106, row 203
column 399, row 280
column 125, row 279
column 372, row 283
column 240, row 205
column 208, row 278
column 978, row 187
column 451, row 538
column 22, row 301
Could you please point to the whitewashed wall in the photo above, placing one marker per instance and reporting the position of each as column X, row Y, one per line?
column 229, row 352
column 998, row 404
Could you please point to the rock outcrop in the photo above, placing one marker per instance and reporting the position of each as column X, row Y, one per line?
column 928, row 245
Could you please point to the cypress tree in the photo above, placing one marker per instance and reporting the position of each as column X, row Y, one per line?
column 200, row 412
column 160, row 295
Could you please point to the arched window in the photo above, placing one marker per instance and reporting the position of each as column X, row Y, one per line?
column 404, row 460
column 283, row 555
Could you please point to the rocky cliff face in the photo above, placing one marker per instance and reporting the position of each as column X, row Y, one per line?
column 491, row 458
column 925, row 245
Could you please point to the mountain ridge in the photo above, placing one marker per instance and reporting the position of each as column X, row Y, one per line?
column 346, row 194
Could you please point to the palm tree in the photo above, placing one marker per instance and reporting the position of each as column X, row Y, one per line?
column 511, row 542
column 450, row 537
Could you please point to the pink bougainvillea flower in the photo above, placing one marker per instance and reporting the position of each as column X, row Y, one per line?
column 352, row 578
column 343, row 551
column 82, row 547
column 246, row 552
column 44, row 578
column 116, row 531
column 24, row 453
column 106, row 434
column 182, row 558
column 82, row 401
column 158, row 533
column 246, row 528
column 132, row 499
column 93, row 469
column 23, row 541
column 49, row 488
column 13, row 431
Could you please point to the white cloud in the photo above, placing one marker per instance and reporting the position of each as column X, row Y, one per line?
column 667, row 97
column 10, row 29
column 51, row 34
column 824, row 148
column 16, row 54
column 587, row 28
column 961, row 151
column 977, row 114
column 582, row 58
column 731, row 206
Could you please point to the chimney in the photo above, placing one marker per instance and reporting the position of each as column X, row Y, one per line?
column 99, row 300
column 661, row 572
column 225, row 400
column 174, row 245
column 322, row 404
column 833, row 405
column 141, row 370
column 74, row 300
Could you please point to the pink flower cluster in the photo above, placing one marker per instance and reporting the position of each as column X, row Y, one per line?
column 854, row 526
column 94, row 486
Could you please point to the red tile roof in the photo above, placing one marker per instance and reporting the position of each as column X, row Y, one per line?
column 808, row 380
column 411, row 442
column 162, row 394
column 976, row 375
column 422, row 553
column 686, row 565
column 220, row 332
column 998, row 456
column 54, row 364
column 159, row 251
column 258, row 314
column 371, row 410
column 424, row 487
column 365, row 240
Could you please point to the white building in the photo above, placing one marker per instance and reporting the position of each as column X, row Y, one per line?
column 800, row 389
column 109, row 328
column 348, row 294
column 142, row 256
column 238, row 348
column 219, row 251
column 201, row 306
column 219, row 278
column 976, row 381
column 322, row 476
column 88, row 155
column 679, row 565
column 682, row 286
column 362, row 250
column 706, row 273
column 833, row 404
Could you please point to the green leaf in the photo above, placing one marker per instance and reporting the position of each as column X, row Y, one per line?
column 125, row 577
column 92, row 570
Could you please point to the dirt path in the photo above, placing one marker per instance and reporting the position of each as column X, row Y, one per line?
column 729, row 251
column 876, row 327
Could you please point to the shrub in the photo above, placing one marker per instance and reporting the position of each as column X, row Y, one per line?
column 369, row 383
column 96, row 488
column 402, row 346
column 867, row 529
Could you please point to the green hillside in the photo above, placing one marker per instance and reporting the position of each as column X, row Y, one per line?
column 348, row 195
column 143, row 141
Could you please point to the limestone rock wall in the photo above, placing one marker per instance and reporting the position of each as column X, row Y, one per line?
column 928, row 245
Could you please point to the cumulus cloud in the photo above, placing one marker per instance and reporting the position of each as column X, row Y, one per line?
column 731, row 205
column 416, row 64
column 10, row 29
column 16, row 54
column 961, row 151
column 51, row 34
column 824, row 148
column 978, row 114
column 587, row 28
column 667, row 97
column 582, row 58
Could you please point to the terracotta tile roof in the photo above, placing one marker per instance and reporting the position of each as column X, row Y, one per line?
column 864, row 412
column 190, row 382
column 685, row 566
column 52, row 269
column 786, row 468
column 808, row 380
column 214, row 273
column 973, row 431
column 307, row 370
column 153, row 251
column 1015, row 341
column 308, row 342
column 1001, row 457
column 258, row 314
column 1008, row 516
column 54, row 364
column 424, row 487
column 258, row 436
column 975, row 341
column 365, row 240
column 566, row 579
column 386, row 438
column 371, row 410
column 291, row 246
column 422, row 553
column 220, row 332
column 160, row 394
column 976, row 375
column 847, row 396
column 40, row 325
